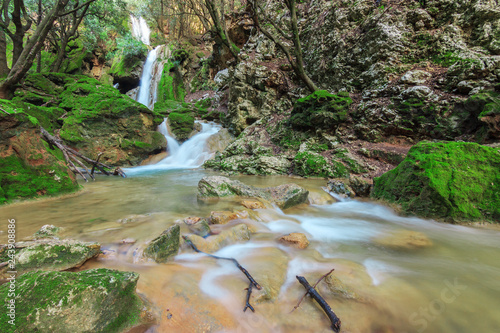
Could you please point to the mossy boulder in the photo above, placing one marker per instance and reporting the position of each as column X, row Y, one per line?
column 96, row 300
column 48, row 255
column 93, row 117
column 487, row 105
column 320, row 110
column 284, row 196
column 164, row 246
column 28, row 167
column 456, row 181
column 310, row 164
column 181, row 125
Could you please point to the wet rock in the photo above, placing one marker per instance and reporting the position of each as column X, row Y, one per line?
column 404, row 240
column 311, row 164
column 340, row 187
column 49, row 255
column 213, row 243
column 198, row 226
column 361, row 186
column 284, row 196
column 455, row 181
column 295, row 239
column 253, row 204
column 164, row 246
column 223, row 217
column 96, row 300
column 269, row 270
column 47, row 231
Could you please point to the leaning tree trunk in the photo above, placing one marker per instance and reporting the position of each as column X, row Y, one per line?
column 4, row 68
column 31, row 49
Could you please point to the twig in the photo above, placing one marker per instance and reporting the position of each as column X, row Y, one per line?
column 324, row 305
column 4, row 111
column 93, row 166
column 317, row 282
column 253, row 283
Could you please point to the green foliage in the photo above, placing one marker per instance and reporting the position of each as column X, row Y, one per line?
column 455, row 180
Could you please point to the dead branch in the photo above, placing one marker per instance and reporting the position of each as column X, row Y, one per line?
column 71, row 155
column 253, row 283
column 317, row 282
column 324, row 305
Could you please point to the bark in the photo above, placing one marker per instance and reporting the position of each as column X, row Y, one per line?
column 31, row 49
column 219, row 28
column 4, row 68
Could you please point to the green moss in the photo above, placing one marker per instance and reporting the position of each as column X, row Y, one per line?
column 164, row 246
column 455, row 180
column 310, row 164
column 181, row 124
column 171, row 85
column 320, row 110
column 488, row 103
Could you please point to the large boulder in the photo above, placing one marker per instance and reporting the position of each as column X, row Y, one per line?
column 93, row 117
column 28, row 167
column 47, row 255
column 456, row 181
column 164, row 246
column 96, row 300
column 284, row 196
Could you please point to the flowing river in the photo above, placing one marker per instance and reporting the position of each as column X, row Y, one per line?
column 451, row 286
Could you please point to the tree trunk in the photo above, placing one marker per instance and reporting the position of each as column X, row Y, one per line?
column 31, row 49
column 60, row 55
column 4, row 68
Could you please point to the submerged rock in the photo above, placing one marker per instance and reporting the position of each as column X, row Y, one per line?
column 47, row 231
column 96, row 300
column 48, row 255
column 285, row 196
column 213, row 243
column 295, row 239
column 340, row 187
column 253, row 204
column 404, row 240
column 456, row 181
column 223, row 217
column 198, row 226
column 164, row 246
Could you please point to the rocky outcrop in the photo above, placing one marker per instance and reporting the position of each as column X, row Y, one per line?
column 456, row 181
column 48, row 255
column 28, row 167
column 164, row 246
column 96, row 300
column 285, row 196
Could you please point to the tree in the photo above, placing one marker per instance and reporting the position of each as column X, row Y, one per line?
column 219, row 25
column 24, row 60
column 293, row 55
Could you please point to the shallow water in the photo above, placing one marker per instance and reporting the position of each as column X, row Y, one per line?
column 451, row 286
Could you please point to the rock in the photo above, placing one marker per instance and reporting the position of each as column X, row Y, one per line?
column 198, row 226
column 214, row 243
column 320, row 110
column 48, row 255
column 153, row 159
column 222, row 77
column 47, row 231
column 295, row 239
column 164, row 246
column 181, row 125
column 95, row 300
column 269, row 270
column 340, row 187
column 416, row 77
column 252, row 204
column 285, row 196
column 223, row 217
column 361, row 186
column 456, row 181
column 310, row 164
column 403, row 240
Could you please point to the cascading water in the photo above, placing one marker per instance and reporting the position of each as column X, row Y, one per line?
column 140, row 29
column 145, row 96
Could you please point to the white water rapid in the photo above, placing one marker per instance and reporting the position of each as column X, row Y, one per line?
column 140, row 29
column 145, row 95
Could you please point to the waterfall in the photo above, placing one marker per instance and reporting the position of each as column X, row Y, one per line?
column 144, row 96
column 140, row 29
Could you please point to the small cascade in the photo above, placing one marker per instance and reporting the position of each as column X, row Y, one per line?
column 145, row 96
column 140, row 29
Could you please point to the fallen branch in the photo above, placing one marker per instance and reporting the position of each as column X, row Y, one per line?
column 317, row 282
column 253, row 283
column 324, row 305
column 71, row 155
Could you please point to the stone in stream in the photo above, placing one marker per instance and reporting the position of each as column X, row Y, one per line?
column 47, row 231
column 164, row 246
column 253, row 204
column 403, row 240
column 223, row 217
column 284, row 196
column 341, row 188
column 213, row 243
column 198, row 226
column 295, row 239
column 48, row 255
column 95, row 300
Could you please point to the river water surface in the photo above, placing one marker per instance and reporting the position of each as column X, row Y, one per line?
column 451, row 286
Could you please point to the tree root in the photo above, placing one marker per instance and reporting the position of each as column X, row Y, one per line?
column 324, row 305
column 71, row 155
column 251, row 280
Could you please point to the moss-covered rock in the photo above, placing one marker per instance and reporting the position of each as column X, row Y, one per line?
column 28, row 167
column 181, row 125
column 320, row 110
column 310, row 164
column 164, row 246
column 96, row 300
column 456, row 181
column 93, row 117
column 48, row 255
